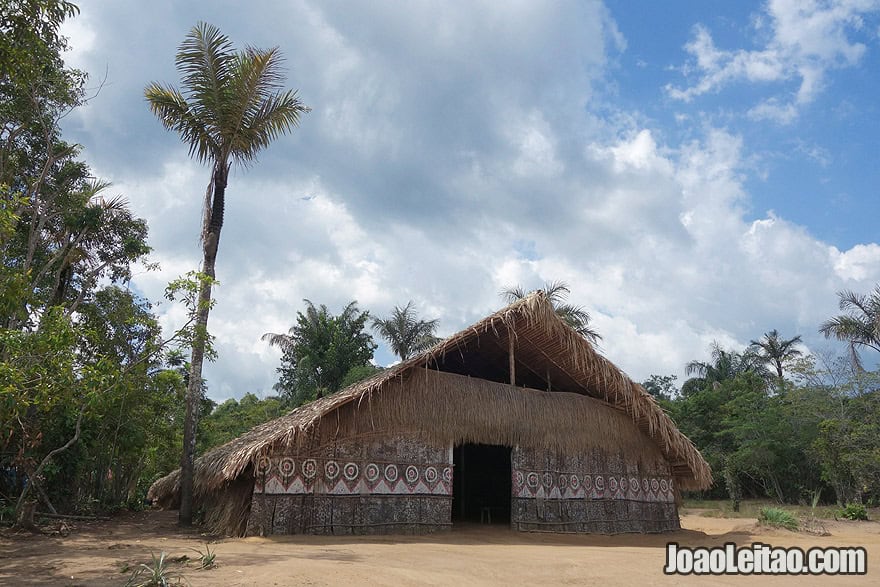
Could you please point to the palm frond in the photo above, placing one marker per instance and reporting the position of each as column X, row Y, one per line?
column 282, row 341
column 175, row 114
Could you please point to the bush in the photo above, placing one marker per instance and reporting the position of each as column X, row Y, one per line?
column 854, row 511
column 778, row 518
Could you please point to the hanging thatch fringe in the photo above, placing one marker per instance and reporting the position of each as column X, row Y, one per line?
column 537, row 417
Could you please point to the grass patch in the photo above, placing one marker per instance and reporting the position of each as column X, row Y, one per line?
column 155, row 574
column 778, row 518
column 208, row 558
column 854, row 511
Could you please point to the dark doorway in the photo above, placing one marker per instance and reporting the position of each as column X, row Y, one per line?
column 481, row 485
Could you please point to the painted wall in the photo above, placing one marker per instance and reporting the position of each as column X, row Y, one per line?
column 593, row 492
column 368, row 485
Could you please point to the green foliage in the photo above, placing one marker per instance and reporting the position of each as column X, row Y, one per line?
column 406, row 334
column 233, row 418
column 775, row 350
column 854, row 511
column 858, row 325
column 320, row 350
column 155, row 574
column 207, row 558
column 661, row 387
column 185, row 290
column 358, row 373
column 778, row 518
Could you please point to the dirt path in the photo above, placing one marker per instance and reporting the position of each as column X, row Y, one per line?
column 96, row 553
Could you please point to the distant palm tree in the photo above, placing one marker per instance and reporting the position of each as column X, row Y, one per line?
column 557, row 292
column 860, row 326
column 773, row 349
column 406, row 334
column 232, row 106
column 726, row 365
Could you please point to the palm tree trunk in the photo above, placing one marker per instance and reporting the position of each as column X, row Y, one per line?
column 210, row 244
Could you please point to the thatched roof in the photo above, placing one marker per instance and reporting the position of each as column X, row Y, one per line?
column 549, row 355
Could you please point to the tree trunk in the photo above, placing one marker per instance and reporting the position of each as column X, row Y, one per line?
column 25, row 518
column 210, row 243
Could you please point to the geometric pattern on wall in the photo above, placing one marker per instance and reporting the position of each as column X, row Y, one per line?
column 552, row 485
column 289, row 476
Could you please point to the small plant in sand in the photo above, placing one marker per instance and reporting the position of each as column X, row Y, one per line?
column 811, row 524
column 155, row 574
column 778, row 518
column 207, row 559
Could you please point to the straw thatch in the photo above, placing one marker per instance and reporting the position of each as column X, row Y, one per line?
column 470, row 369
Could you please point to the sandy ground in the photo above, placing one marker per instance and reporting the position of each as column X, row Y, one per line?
column 94, row 553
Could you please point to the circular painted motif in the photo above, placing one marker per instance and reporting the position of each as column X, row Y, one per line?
column 309, row 468
column 612, row 484
column 575, row 482
column 391, row 473
column 547, row 480
column 624, row 484
column 351, row 471
column 588, row 482
column 645, row 484
column 600, row 483
column 519, row 478
column 264, row 465
column 431, row 474
column 655, row 485
column 634, row 483
column 532, row 480
column 664, row 486
column 447, row 474
column 563, row 481
column 371, row 472
column 331, row 469
column 287, row 467
column 411, row 474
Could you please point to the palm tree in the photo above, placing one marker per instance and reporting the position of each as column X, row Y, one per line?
column 557, row 292
column 726, row 365
column 406, row 334
column 773, row 349
column 860, row 326
column 231, row 107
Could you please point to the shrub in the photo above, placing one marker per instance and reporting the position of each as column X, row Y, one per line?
column 154, row 574
column 854, row 511
column 778, row 518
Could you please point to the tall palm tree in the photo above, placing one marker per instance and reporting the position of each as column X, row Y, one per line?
column 557, row 292
column 775, row 350
column 406, row 334
column 860, row 326
column 232, row 106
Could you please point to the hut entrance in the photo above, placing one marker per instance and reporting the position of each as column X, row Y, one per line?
column 481, row 487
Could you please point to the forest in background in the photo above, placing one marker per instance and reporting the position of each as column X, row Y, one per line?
column 92, row 395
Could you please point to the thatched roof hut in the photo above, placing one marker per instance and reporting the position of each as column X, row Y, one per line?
column 605, row 456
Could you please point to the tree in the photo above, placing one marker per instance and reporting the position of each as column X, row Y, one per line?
column 557, row 292
column 320, row 350
column 775, row 350
column 725, row 365
column 860, row 326
column 406, row 334
column 232, row 106
column 661, row 387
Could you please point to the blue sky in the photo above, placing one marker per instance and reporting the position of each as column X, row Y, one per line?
column 696, row 171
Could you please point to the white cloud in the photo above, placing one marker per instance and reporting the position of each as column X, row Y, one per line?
column 807, row 38
column 448, row 156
